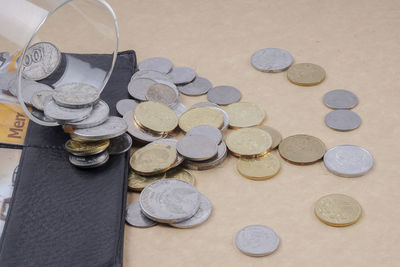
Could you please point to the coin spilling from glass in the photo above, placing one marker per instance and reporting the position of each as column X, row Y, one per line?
column 135, row 216
column 156, row 117
column 160, row 64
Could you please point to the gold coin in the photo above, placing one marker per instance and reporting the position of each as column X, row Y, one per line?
column 306, row 74
column 244, row 114
column 249, row 142
column 137, row 182
column 302, row 149
column 260, row 168
column 338, row 210
column 201, row 116
column 181, row 174
column 276, row 136
column 86, row 148
column 153, row 159
column 156, row 117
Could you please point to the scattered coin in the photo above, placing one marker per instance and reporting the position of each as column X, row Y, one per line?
column 120, row 144
column 138, row 87
column 249, row 142
column 197, row 147
column 159, row 64
column 306, row 74
column 224, row 95
column 76, row 95
column 244, row 114
column 257, row 240
column 276, row 136
column 200, row 217
column 201, row 116
column 179, row 109
column 181, row 174
column 169, row 201
column 342, row 120
column 348, row 160
column 199, row 86
column 210, row 163
column 260, row 168
column 89, row 161
column 135, row 216
column 156, row 117
column 98, row 116
column 125, row 105
column 137, row 132
column 302, row 149
column 112, row 127
column 64, row 115
column 171, row 142
column 207, row 130
column 162, row 93
column 152, row 75
column 215, row 106
column 40, row 61
column 271, row 60
column 182, row 75
column 86, row 148
column 340, row 99
column 29, row 88
column 153, row 159
column 338, row 210
column 39, row 98
column 137, row 182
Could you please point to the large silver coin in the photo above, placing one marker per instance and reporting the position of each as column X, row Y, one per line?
column 162, row 93
column 340, row 99
column 111, row 128
column 199, row 86
column 125, row 105
column 179, row 109
column 182, row 75
column 224, row 95
column 200, row 217
column 210, row 163
column 169, row 201
column 209, row 104
column 160, row 64
column 29, row 88
column 271, row 60
column 348, row 160
column 120, row 144
column 137, row 132
column 342, row 120
column 40, row 61
column 138, row 87
column 197, row 147
column 76, row 95
column 64, row 115
column 152, row 75
column 40, row 98
column 257, row 240
column 89, row 161
column 171, row 142
column 98, row 116
column 207, row 130
column 135, row 216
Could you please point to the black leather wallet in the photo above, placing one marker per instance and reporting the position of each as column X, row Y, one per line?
column 61, row 215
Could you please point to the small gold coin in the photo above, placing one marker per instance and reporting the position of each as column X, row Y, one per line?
column 244, row 114
column 260, row 168
column 306, row 74
column 201, row 116
column 86, row 148
column 153, row 159
column 249, row 142
column 276, row 136
column 137, row 182
column 156, row 117
column 302, row 149
column 181, row 174
column 338, row 210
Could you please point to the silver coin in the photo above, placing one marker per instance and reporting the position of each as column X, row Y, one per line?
column 112, row 127
column 179, row 109
column 171, row 142
column 29, row 88
column 340, row 99
column 64, row 115
column 197, row 147
column 160, row 64
column 152, row 75
column 207, row 130
column 138, row 87
column 40, row 98
column 76, row 95
column 163, row 93
column 89, row 161
column 137, row 132
column 348, row 160
column 120, row 144
column 210, row 163
column 224, row 95
column 257, row 240
column 169, row 200
column 209, row 104
column 40, row 115
column 271, row 60
column 135, row 216
column 182, row 75
column 342, row 120
column 199, row 86
column 40, row 61
column 125, row 105
column 98, row 116
column 200, row 217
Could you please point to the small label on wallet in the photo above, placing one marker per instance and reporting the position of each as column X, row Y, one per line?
column 13, row 124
